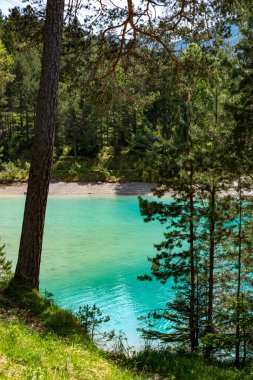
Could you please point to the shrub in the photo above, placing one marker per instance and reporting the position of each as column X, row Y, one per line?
column 14, row 171
column 5, row 267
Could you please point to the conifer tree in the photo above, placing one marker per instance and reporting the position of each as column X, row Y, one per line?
column 195, row 217
column 5, row 266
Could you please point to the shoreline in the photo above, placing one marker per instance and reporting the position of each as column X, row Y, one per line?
column 99, row 189
column 85, row 189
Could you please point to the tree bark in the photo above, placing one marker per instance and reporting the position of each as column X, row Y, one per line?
column 211, row 262
column 212, row 205
column 238, row 295
column 192, row 321
column 192, row 314
column 28, row 265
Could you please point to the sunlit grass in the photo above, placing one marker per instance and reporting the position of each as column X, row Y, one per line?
column 27, row 354
column 41, row 341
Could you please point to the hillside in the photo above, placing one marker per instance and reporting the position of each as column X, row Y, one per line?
column 47, row 343
column 41, row 341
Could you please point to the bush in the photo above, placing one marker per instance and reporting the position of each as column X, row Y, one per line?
column 5, row 268
column 1, row 153
column 14, row 171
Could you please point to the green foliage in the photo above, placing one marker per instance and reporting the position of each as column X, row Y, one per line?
column 241, row 104
column 91, row 318
column 6, row 62
column 1, row 153
column 72, row 170
column 5, row 268
column 143, row 139
column 197, row 161
column 180, row 366
column 128, row 166
column 11, row 172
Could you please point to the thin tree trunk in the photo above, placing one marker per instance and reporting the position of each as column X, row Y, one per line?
column 238, row 295
column 192, row 324
column 27, row 123
column 211, row 261
column 212, row 205
column 244, row 333
column 192, row 316
column 21, row 110
column 197, row 317
column 28, row 265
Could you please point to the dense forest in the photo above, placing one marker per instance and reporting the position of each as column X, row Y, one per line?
column 134, row 109
column 107, row 115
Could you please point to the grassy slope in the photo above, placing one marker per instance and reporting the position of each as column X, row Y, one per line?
column 46, row 342
column 41, row 341
column 27, row 354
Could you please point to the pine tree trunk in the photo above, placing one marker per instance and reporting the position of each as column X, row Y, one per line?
column 211, row 261
column 244, row 333
column 192, row 316
column 210, row 327
column 238, row 295
column 192, row 324
column 28, row 265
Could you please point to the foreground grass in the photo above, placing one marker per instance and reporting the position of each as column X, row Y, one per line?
column 27, row 354
column 41, row 341
column 47, row 343
column 175, row 366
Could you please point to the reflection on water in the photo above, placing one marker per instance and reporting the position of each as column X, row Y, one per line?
column 94, row 248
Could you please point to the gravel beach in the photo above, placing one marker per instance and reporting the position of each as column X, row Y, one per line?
column 82, row 188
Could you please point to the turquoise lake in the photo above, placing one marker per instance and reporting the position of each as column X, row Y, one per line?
column 93, row 251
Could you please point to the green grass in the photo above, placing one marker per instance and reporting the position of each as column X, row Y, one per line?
column 27, row 354
column 176, row 366
column 41, row 341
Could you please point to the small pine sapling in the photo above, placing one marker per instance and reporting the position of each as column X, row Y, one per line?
column 5, row 267
column 91, row 318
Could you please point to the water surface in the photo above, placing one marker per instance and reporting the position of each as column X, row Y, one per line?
column 94, row 249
